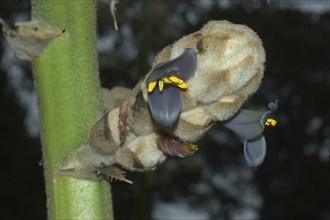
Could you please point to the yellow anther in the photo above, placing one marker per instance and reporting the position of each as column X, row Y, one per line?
column 270, row 122
column 182, row 85
column 151, row 86
column 191, row 148
column 161, row 85
column 175, row 79
column 166, row 80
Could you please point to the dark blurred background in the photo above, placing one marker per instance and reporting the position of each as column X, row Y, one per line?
column 292, row 183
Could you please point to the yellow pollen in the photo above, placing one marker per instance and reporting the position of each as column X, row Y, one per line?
column 166, row 80
column 161, row 85
column 175, row 79
column 171, row 79
column 151, row 86
column 270, row 122
column 191, row 148
column 183, row 85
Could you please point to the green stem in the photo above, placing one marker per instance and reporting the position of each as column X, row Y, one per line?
column 68, row 87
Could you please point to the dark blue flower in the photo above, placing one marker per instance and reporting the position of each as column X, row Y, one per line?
column 165, row 102
column 249, row 126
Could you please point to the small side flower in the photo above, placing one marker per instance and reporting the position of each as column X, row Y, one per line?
column 176, row 148
column 249, row 126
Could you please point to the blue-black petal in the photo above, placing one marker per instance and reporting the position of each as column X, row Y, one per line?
column 246, row 124
column 255, row 151
column 184, row 66
column 165, row 106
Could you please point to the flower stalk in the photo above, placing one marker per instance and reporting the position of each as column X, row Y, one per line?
column 68, row 89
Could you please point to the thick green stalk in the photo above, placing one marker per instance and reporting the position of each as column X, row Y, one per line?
column 68, row 87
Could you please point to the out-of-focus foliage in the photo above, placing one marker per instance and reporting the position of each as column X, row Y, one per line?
column 293, row 182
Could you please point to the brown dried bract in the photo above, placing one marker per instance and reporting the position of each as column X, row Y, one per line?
column 111, row 173
column 122, row 123
column 30, row 38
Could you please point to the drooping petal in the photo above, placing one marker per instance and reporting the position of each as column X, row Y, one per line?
column 249, row 124
column 183, row 66
column 246, row 124
column 176, row 148
column 165, row 106
column 255, row 151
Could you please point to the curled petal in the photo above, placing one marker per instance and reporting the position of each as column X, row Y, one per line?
column 272, row 108
column 246, row 124
column 165, row 106
column 176, row 148
column 255, row 151
column 183, row 66
column 161, row 73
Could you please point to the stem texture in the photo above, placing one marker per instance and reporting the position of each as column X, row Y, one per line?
column 68, row 88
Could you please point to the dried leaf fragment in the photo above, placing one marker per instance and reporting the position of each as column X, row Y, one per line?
column 111, row 173
column 113, row 9
column 30, row 38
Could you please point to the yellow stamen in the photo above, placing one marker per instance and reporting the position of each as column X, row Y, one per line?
column 161, row 85
column 270, row 122
column 191, row 148
column 182, row 85
column 175, row 79
column 151, row 86
column 166, row 80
